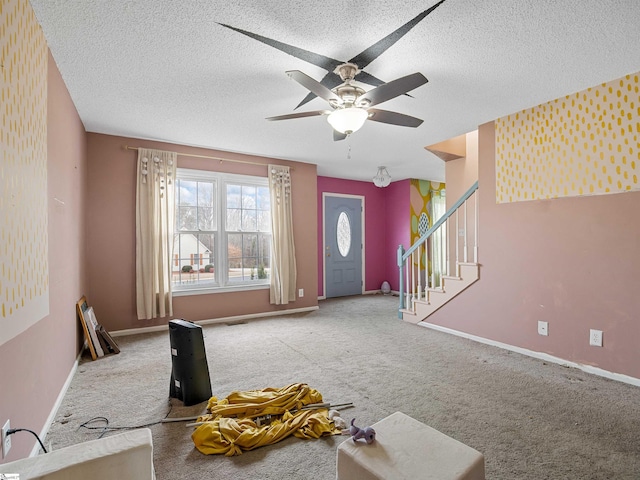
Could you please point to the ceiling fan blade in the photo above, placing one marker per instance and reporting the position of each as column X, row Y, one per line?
column 364, row 77
column 393, row 89
column 330, row 80
column 314, row 58
column 394, row 118
column 337, row 136
column 381, row 46
column 314, row 86
column 289, row 116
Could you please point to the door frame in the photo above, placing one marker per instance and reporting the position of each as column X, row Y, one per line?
column 324, row 246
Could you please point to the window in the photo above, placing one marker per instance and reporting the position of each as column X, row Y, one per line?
column 248, row 229
column 343, row 232
column 223, row 232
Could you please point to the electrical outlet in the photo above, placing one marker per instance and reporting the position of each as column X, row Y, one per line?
column 595, row 338
column 301, row 292
column 6, row 439
column 543, row 328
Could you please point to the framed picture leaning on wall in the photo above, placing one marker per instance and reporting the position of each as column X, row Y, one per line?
column 98, row 339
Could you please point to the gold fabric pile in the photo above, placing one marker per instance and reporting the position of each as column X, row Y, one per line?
column 230, row 426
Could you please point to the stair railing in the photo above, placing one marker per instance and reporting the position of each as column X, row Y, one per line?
column 449, row 233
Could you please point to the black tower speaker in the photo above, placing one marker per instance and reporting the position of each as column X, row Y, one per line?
column 189, row 374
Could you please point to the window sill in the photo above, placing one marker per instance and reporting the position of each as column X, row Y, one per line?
column 184, row 292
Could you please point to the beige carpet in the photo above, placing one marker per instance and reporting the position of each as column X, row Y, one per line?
column 531, row 420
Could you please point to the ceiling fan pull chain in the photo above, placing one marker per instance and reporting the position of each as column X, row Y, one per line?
column 349, row 152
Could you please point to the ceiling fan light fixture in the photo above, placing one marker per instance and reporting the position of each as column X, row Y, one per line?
column 347, row 120
column 382, row 178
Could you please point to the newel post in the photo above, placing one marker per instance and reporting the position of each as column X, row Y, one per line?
column 401, row 282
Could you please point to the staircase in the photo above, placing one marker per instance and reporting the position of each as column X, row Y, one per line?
column 450, row 247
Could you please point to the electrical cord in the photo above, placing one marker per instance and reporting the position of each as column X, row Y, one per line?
column 106, row 428
column 11, row 431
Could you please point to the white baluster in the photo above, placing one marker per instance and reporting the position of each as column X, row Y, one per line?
column 457, row 244
column 419, row 272
column 441, row 254
column 448, row 232
column 464, row 252
column 406, row 270
column 475, row 246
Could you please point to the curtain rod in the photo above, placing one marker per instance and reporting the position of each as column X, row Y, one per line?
column 212, row 158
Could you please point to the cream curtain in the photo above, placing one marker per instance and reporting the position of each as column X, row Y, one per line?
column 155, row 219
column 283, row 253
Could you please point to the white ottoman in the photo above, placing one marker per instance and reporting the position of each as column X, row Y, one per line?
column 404, row 448
column 124, row 456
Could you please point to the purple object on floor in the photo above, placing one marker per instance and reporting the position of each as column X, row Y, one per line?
column 368, row 433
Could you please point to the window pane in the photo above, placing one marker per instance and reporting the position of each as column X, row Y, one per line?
column 205, row 194
column 207, row 246
column 249, row 197
column 206, row 266
column 264, row 246
column 234, row 250
column 186, row 218
column 252, row 214
column 264, row 221
column 195, row 203
column 193, row 258
column 186, row 192
column 343, row 232
column 249, row 223
column 206, row 219
column 264, row 256
column 264, row 200
column 234, row 217
column 250, row 248
column 248, row 256
column 233, row 196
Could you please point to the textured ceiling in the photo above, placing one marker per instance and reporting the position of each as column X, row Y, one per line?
column 168, row 70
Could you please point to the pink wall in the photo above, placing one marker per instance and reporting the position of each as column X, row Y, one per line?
column 42, row 357
column 383, row 226
column 111, row 234
column 572, row 262
column 462, row 173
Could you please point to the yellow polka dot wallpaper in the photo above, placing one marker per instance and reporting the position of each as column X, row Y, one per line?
column 422, row 193
column 23, row 167
column 587, row 143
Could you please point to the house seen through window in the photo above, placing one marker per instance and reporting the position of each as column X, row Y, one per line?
column 223, row 231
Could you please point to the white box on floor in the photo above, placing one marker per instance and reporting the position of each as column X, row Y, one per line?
column 124, row 456
column 405, row 448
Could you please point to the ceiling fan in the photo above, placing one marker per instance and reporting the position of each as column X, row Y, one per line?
column 351, row 105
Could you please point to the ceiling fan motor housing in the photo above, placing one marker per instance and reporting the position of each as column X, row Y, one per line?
column 347, row 71
column 348, row 94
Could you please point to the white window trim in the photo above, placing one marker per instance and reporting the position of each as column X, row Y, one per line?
column 187, row 291
column 222, row 179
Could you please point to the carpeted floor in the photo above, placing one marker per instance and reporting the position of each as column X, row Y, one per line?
column 531, row 420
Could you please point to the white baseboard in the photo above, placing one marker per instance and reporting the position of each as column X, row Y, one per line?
column 56, row 406
column 539, row 355
column 236, row 318
column 366, row 292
